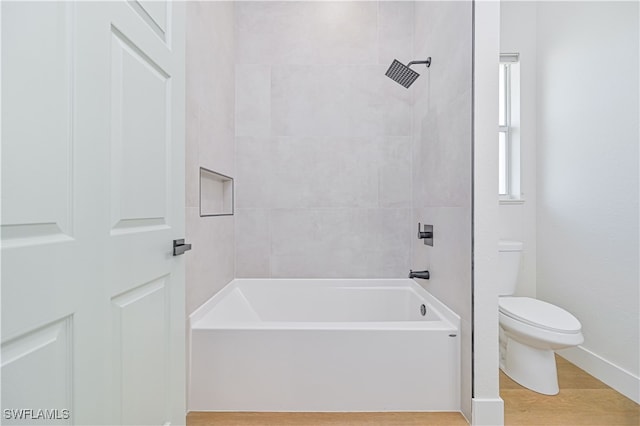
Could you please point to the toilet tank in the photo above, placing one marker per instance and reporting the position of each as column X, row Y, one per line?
column 509, row 256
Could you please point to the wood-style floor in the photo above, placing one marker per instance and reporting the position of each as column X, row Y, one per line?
column 583, row 400
column 325, row 419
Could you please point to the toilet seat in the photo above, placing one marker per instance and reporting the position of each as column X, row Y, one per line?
column 539, row 314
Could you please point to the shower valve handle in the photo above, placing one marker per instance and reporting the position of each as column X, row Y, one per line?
column 426, row 234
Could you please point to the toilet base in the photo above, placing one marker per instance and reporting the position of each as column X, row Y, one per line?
column 533, row 368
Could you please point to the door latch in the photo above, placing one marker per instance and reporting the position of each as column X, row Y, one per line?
column 179, row 247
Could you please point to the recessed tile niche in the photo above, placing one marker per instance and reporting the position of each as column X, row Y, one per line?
column 216, row 194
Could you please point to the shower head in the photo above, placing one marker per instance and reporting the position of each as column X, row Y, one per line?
column 404, row 75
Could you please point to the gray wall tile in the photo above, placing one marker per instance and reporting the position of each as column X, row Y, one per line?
column 210, row 99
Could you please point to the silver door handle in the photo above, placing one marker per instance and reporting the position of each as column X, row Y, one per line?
column 179, row 247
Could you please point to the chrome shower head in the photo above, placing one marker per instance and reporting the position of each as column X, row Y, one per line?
column 404, row 75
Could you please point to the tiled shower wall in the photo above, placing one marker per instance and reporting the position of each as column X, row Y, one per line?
column 323, row 140
column 209, row 143
column 334, row 163
column 442, row 161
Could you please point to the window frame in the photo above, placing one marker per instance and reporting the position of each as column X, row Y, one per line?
column 510, row 128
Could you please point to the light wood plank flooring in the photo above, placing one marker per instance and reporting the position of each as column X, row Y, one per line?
column 583, row 400
column 325, row 419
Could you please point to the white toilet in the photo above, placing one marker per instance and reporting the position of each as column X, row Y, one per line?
column 530, row 329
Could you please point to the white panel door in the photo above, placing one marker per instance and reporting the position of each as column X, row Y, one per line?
column 92, row 197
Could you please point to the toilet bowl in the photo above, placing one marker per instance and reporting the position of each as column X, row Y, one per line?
column 531, row 330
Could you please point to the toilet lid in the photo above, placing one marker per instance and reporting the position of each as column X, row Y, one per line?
column 539, row 314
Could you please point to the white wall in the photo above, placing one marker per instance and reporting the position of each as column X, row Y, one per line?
column 442, row 161
column 580, row 173
column 209, row 143
column 587, row 169
column 487, row 404
column 323, row 139
column 518, row 219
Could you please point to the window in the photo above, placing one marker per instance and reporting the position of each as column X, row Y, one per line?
column 508, row 128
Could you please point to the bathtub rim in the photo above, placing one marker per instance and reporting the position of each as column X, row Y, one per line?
column 449, row 320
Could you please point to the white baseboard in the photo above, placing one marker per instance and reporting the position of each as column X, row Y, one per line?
column 487, row 412
column 618, row 378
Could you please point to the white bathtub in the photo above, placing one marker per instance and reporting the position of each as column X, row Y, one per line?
column 324, row 345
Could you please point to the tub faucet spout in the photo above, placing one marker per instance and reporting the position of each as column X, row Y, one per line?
column 419, row 274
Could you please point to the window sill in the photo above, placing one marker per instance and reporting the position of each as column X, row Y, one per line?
column 511, row 201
